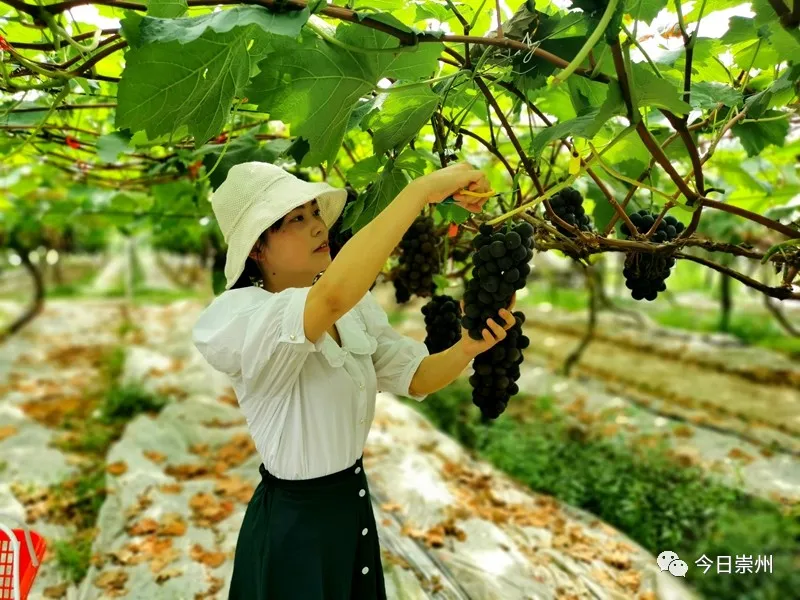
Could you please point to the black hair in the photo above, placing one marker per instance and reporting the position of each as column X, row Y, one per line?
column 252, row 274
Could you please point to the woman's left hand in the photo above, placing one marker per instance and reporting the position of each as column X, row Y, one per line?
column 492, row 334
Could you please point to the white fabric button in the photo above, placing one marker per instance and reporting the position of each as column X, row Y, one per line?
column 361, row 385
column 365, row 570
column 291, row 337
column 364, row 531
column 361, row 493
column 358, row 470
column 362, row 421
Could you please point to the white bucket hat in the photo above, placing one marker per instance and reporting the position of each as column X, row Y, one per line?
column 254, row 196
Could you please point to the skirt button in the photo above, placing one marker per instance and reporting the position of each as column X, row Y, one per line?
column 358, row 470
column 361, row 493
column 364, row 531
column 365, row 570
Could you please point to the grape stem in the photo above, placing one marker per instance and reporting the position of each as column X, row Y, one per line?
column 566, row 183
column 590, row 43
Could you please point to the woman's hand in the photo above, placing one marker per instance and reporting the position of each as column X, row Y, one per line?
column 448, row 181
column 493, row 334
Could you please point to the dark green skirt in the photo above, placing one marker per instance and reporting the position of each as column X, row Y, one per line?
column 309, row 539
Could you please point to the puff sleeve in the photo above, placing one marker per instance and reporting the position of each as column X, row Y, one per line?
column 397, row 357
column 261, row 339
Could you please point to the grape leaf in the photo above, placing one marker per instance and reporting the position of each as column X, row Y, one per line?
column 586, row 125
column 364, row 171
column 362, row 109
column 763, row 100
column 711, row 6
column 110, row 146
column 167, row 9
column 187, row 30
column 314, row 85
column 653, row 91
column 707, row 94
column 244, row 148
column 757, row 135
column 576, row 127
column 158, row 94
column 644, row 10
column 401, row 116
column 380, row 194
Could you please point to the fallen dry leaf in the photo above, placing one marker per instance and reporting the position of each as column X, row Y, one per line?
column 210, row 559
column 683, row 431
column 56, row 591
column 228, row 398
column 168, row 574
column 143, row 527
column 186, row 472
column 215, row 585
column 392, row 507
column 171, row 488
column 172, row 524
column 237, row 450
column 153, row 456
column 163, row 559
column 112, row 579
column 739, row 454
column 234, row 488
column 117, row 468
column 207, row 510
column 630, row 580
column 7, row 431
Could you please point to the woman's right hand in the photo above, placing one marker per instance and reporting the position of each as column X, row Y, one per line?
column 448, row 181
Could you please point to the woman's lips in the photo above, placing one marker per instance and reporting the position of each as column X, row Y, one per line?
column 324, row 248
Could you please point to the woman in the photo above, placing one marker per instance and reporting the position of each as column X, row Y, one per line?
column 307, row 348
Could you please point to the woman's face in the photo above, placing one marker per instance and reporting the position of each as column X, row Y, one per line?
column 290, row 257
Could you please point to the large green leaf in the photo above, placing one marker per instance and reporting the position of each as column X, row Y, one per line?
column 364, row 171
column 111, row 145
column 577, row 127
column 756, row 136
column 189, row 29
column 172, row 84
column 706, row 95
column 167, row 9
column 654, row 91
column 644, row 10
column 400, row 117
column 314, row 85
column 380, row 194
column 244, row 148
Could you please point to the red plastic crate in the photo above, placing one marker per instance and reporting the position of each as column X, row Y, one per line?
column 21, row 554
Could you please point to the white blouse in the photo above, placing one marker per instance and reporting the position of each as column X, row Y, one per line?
column 308, row 406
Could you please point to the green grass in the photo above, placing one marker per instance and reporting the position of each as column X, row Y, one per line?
column 635, row 489
column 123, row 403
column 73, row 557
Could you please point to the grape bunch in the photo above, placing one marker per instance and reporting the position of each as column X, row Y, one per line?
column 667, row 230
column 646, row 274
column 568, row 205
column 442, row 323
column 496, row 371
column 500, row 263
column 336, row 237
column 419, row 261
